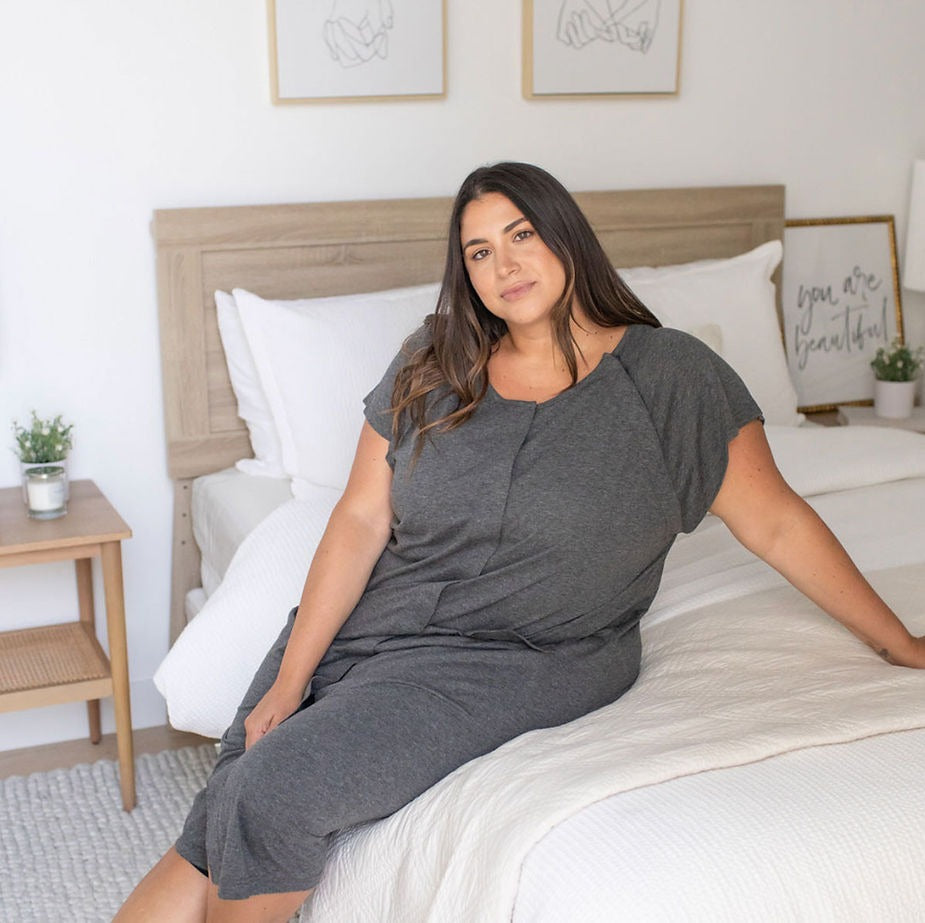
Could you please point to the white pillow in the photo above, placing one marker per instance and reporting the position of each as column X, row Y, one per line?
column 738, row 295
column 207, row 671
column 317, row 358
column 253, row 408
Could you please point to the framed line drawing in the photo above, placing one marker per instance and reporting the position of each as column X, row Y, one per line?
column 357, row 50
column 601, row 48
column 840, row 300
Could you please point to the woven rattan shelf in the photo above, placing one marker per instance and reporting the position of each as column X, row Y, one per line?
column 60, row 663
column 64, row 661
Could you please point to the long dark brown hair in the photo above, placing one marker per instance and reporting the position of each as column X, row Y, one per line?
column 465, row 332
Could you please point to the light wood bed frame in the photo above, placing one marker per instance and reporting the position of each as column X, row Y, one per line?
column 333, row 248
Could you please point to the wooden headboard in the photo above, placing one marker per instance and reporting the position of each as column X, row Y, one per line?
column 334, row 248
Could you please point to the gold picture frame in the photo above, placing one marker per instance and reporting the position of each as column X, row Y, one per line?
column 357, row 50
column 840, row 301
column 593, row 49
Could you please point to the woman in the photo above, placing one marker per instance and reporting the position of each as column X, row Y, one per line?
column 525, row 465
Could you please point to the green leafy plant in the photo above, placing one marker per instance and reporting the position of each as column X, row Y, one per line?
column 898, row 363
column 44, row 441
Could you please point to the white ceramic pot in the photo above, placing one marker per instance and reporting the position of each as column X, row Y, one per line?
column 894, row 399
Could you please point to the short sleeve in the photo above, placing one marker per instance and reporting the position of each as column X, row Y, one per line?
column 378, row 403
column 697, row 404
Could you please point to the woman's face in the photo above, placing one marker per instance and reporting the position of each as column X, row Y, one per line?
column 518, row 277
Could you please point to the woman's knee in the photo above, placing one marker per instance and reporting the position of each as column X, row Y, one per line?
column 265, row 789
column 260, row 825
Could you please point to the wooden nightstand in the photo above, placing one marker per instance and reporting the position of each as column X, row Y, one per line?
column 65, row 662
column 865, row 416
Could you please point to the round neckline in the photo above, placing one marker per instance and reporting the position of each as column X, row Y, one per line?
column 570, row 390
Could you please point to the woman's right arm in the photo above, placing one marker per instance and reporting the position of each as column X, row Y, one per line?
column 356, row 534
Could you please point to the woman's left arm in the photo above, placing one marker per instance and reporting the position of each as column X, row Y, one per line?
column 775, row 523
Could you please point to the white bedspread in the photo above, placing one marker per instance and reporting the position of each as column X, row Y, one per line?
column 737, row 668
column 823, row 834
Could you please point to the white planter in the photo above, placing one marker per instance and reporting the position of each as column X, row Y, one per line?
column 894, row 399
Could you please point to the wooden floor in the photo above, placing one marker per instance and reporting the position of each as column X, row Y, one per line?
column 70, row 753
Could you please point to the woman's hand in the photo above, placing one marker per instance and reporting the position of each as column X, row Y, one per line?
column 357, row 531
column 274, row 708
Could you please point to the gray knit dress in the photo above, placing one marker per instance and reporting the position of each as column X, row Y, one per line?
column 526, row 546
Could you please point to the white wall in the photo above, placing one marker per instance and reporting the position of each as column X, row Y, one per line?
column 109, row 110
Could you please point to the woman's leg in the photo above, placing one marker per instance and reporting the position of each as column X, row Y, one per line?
column 176, row 892
column 261, row 908
column 172, row 891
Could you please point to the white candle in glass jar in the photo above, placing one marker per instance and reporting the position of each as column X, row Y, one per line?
column 45, row 488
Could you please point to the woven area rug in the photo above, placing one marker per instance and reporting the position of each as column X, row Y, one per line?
column 68, row 852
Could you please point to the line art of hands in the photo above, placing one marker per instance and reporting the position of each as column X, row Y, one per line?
column 357, row 30
column 630, row 22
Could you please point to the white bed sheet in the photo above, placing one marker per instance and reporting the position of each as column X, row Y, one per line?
column 226, row 506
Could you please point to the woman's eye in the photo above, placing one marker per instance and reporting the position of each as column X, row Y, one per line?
column 478, row 255
column 525, row 234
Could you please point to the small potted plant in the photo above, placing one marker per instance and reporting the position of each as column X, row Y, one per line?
column 895, row 371
column 43, row 448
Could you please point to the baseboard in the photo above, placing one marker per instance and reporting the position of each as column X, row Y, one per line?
column 64, row 755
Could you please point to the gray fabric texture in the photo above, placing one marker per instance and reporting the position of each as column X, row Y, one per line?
column 527, row 544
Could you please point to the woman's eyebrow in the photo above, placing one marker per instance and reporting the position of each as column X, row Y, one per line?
column 504, row 230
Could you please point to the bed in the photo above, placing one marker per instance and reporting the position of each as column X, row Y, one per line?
column 766, row 764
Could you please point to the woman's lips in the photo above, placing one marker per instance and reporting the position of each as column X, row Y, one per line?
column 515, row 291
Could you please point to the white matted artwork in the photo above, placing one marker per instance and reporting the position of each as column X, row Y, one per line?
column 840, row 300
column 339, row 50
column 601, row 47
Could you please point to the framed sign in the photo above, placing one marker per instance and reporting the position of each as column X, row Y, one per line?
column 346, row 50
column 840, row 300
column 595, row 48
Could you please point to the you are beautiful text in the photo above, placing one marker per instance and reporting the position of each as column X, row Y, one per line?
column 846, row 319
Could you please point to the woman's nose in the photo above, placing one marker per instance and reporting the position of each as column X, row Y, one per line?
column 506, row 262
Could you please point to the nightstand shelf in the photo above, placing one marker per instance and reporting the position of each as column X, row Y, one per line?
column 64, row 662
column 865, row 416
column 50, row 665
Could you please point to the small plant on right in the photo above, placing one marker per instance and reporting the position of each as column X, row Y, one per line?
column 898, row 363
